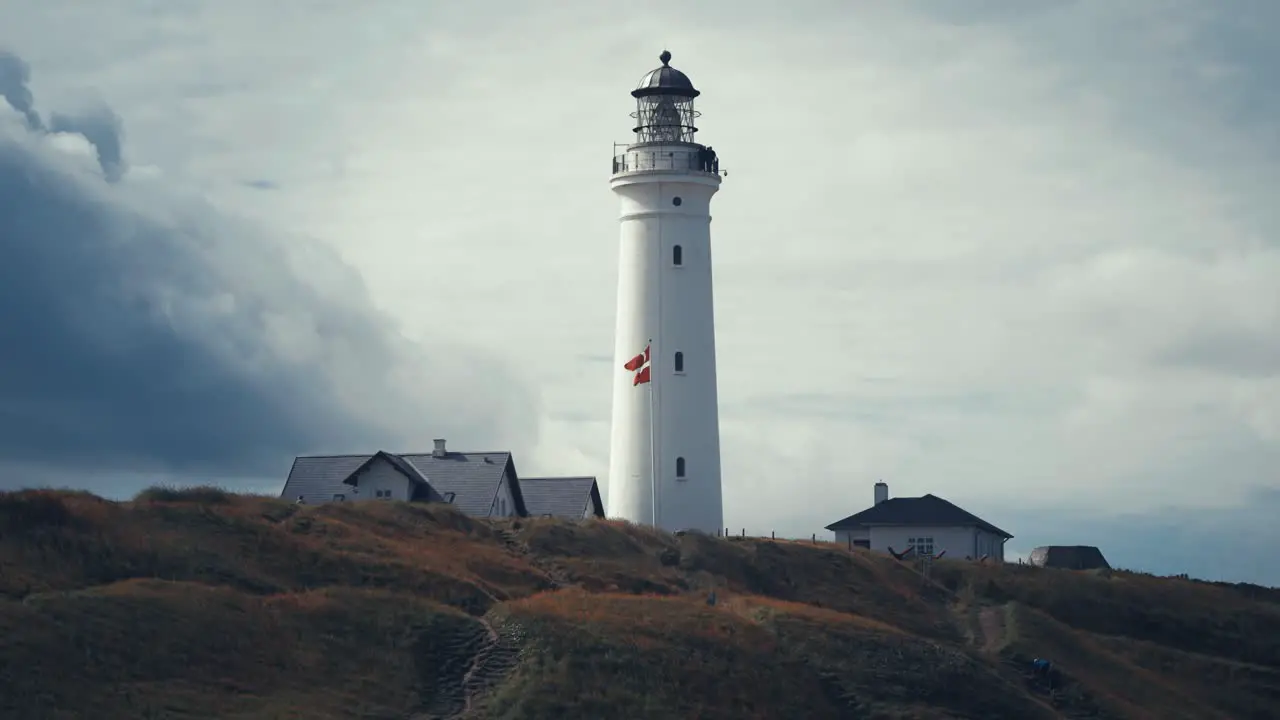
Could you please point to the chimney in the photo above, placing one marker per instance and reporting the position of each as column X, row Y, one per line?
column 440, row 452
column 882, row 492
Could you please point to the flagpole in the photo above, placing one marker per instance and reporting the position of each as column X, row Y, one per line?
column 653, row 445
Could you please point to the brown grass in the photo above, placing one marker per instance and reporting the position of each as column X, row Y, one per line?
column 202, row 603
column 200, row 494
column 767, row 610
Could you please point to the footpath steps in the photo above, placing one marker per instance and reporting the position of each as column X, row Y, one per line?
column 494, row 662
column 557, row 576
column 446, row 656
column 462, row 662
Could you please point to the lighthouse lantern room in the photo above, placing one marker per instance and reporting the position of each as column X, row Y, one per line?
column 664, row 105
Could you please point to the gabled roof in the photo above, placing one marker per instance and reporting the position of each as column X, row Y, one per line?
column 422, row 489
column 567, row 497
column 473, row 478
column 929, row 510
column 396, row 462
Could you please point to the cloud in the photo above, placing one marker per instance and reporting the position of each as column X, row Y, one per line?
column 103, row 129
column 144, row 331
column 1020, row 254
column 14, row 76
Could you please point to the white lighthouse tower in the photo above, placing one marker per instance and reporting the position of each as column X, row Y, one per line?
column 664, row 460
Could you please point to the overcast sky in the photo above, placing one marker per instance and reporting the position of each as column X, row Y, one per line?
column 1022, row 255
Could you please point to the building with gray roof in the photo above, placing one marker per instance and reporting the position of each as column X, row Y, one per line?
column 927, row 525
column 565, row 497
column 481, row 484
column 1071, row 557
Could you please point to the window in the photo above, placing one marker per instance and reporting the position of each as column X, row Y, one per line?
column 677, row 255
column 679, row 362
column 502, row 507
column 448, row 497
column 923, row 545
column 676, row 201
column 339, row 498
column 679, row 467
column 382, row 494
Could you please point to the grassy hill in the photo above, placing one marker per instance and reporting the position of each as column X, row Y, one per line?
column 203, row 605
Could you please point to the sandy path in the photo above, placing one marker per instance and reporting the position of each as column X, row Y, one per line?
column 991, row 622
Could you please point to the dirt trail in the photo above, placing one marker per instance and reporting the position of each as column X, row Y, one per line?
column 448, row 657
column 991, row 621
column 495, row 659
column 556, row 577
column 467, row 662
column 473, row 680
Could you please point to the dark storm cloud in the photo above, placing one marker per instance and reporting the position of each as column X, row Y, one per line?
column 143, row 331
column 14, row 75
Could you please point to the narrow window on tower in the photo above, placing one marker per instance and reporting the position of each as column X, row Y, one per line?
column 680, row 468
column 679, row 362
column 677, row 255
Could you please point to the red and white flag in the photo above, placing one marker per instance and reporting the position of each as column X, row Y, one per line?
column 640, row 366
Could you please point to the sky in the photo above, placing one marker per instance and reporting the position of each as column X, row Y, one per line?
column 1022, row 255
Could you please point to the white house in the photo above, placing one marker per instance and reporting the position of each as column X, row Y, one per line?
column 929, row 525
column 482, row 484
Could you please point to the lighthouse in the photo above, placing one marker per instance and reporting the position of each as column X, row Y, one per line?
column 664, row 455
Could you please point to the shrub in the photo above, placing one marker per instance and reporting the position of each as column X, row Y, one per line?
column 30, row 509
column 202, row 494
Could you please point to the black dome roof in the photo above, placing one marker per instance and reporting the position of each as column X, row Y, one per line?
column 665, row 80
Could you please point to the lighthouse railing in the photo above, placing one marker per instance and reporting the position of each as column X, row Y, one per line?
column 677, row 160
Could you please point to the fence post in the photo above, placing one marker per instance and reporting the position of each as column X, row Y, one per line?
column 744, row 532
column 815, row 538
column 773, row 535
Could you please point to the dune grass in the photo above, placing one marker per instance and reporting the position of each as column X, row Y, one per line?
column 196, row 602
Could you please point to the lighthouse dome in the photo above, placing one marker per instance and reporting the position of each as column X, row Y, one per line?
column 665, row 80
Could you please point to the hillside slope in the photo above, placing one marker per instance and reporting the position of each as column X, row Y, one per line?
column 203, row 605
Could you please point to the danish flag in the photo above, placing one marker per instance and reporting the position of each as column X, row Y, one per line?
column 640, row 366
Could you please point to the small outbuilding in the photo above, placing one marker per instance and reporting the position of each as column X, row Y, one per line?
column 1069, row 557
